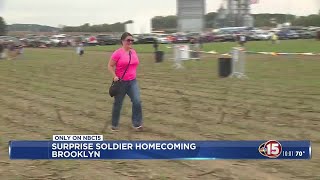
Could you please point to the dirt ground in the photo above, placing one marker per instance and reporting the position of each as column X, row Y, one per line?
column 49, row 92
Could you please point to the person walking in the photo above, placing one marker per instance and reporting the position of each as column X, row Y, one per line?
column 274, row 38
column 1, row 49
column 123, row 67
column 155, row 45
column 80, row 49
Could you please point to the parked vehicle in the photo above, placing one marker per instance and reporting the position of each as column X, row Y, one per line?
column 7, row 39
column 106, row 39
column 59, row 41
column 41, row 40
column 207, row 37
column 291, row 34
column 282, row 35
column 193, row 35
column 261, row 35
column 146, row 38
column 135, row 38
column 163, row 38
column 314, row 31
column 304, row 34
column 79, row 39
column 224, row 36
column 91, row 41
column 180, row 38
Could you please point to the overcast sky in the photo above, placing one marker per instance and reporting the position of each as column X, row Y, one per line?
column 78, row 12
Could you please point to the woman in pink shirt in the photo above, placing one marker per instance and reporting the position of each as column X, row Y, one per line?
column 117, row 65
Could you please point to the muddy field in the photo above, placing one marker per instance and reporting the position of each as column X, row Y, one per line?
column 49, row 92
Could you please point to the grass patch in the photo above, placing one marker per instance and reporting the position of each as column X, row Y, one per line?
column 296, row 46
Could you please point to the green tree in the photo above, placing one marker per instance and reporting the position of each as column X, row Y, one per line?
column 160, row 22
column 311, row 20
column 261, row 20
column 3, row 27
column 117, row 27
column 210, row 19
column 85, row 27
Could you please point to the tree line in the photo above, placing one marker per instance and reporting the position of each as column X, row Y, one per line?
column 116, row 27
column 31, row 27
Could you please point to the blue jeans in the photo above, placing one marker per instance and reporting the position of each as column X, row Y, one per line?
column 131, row 88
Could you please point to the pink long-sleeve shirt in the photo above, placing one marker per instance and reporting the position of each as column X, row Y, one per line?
column 121, row 57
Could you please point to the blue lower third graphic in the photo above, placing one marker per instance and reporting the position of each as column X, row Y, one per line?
column 174, row 150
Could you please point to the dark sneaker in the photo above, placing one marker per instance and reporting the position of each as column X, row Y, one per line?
column 139, row 128
column 113, row 129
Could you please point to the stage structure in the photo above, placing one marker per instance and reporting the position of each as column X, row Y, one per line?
column 236, row 13
column 190, row 15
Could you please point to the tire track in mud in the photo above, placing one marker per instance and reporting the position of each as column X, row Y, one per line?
column 206, row 86
column 70, row 89
column 161, row 118
column 216, row 90
column 54, row 171
column 37, row 109
column 205, row 98
column 72, row 109
column 17, row 111
column 198, row 173
column 203, row 172
column 263, row 111
column 153, row 131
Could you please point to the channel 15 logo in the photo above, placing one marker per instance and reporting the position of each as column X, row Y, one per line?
column 270, row 149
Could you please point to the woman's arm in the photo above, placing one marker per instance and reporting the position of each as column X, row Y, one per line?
column 111, row 68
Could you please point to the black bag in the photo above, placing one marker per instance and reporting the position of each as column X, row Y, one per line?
column 116, row 86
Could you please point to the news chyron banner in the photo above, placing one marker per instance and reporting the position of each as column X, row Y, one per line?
column 94, row 147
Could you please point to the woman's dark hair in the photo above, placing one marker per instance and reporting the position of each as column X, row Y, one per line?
column 125, row 35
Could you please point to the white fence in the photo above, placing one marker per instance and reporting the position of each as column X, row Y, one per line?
column 184, row 52
column 238, row 63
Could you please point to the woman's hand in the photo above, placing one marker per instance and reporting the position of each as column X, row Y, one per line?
column 116, row 78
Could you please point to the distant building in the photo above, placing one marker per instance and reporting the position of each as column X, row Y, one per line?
column 221, row 17
column 237, row 13
column 190, row 15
